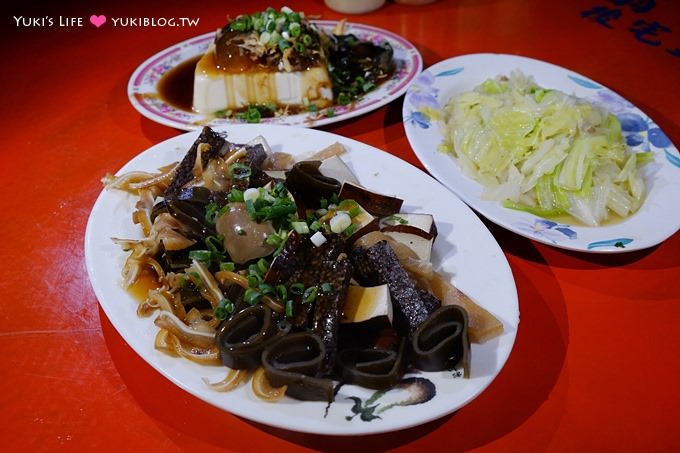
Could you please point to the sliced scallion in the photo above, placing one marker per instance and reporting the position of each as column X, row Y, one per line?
column 252, row 296
column 310, row 294
column 239, row 170
column 297, row 288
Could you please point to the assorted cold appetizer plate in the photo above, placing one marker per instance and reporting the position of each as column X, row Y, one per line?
column 146, row 96
column 425, row 111
column 464, row 252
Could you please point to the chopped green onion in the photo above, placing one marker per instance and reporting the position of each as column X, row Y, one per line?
column 229, row 266
column 235, row 196
column 253, row 115
column 282, row 291
column 252, row 296
column 294, row 29
column 279, row 190
column 398, row 219
column 344, row 99
column 289, row 308
column 300, row 227
column 327, row 288
column 254, row 280
column 266, row 288
column 315, row 226
column 238, row 170
column 306, row 39
column 211, row 210
column 241, row 23
column 195, row 278
column 224, row 309
column 368, row 86
column 262, row 266
column 215, row 244
column 283, row 44
column 297, row 288
column 273, row 239
column 204, row 256
column 351, row 206
column 350, row 230
column 253, row 270
column 310, row 295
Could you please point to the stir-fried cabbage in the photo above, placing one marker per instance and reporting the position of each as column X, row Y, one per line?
column 543, row 151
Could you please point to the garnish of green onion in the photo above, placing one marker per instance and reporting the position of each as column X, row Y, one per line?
column 282, row 291
column 228, row 266
column 224, row 309
column 262, row 266
column 300, row 227
column 252, row 296
column 239, row 170
column 297, row 288
column 327, row 288
column 204, row 256
column 310, row 294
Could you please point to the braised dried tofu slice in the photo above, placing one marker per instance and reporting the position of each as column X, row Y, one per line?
column 482, row 325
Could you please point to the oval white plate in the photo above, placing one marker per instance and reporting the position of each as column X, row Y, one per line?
column 143, row 93
column 657, row 219
column 464, row 250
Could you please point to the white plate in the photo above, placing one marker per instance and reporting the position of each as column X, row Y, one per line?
column 464, row 249
column 657, row 219
column 144, row 96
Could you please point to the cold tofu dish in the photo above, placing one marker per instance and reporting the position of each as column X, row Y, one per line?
column 276, row 62
column 291, row 273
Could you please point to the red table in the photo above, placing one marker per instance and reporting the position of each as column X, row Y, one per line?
column 594, row 365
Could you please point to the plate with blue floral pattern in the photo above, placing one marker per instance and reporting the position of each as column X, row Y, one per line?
column 145, row 96
column 657, row 219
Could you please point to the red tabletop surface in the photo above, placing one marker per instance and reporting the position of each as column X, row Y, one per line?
column 595, row 364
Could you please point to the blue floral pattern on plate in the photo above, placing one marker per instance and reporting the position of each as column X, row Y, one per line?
column 546, row 229
column 422, row 95
column 144, row 96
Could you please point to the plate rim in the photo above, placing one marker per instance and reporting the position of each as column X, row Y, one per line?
column 413, row 63
column 504, row 347
column 486, row 208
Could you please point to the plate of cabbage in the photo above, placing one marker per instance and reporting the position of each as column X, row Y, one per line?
column 545, row 152
column 235, row 263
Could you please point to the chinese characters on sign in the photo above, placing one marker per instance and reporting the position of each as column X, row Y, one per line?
column 649, row 32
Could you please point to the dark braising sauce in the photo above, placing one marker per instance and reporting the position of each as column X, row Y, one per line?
column 176, row 87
